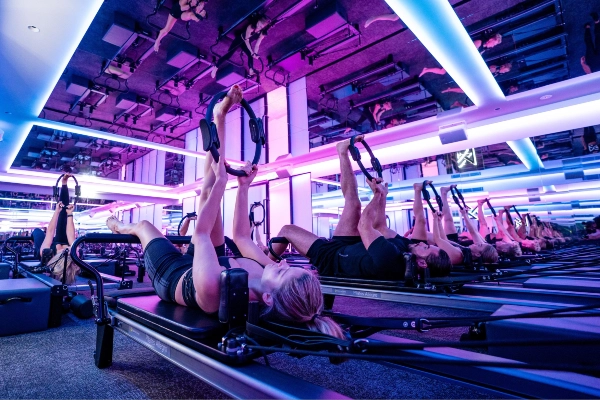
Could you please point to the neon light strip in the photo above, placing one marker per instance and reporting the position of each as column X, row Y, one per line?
column 437, row 26
column 123, row 139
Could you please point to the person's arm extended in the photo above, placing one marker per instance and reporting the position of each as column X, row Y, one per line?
column 258, row 238
column 246, row 37
column 442, row 242
column 420, row 227
column 510, row 227
column 257, row 44
column 70, row 224
column 241, row 227
column 186, row 225
column 505, row 235
column 475, row 235
column 483, row 227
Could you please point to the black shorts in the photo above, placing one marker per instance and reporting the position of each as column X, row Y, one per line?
column 417, row 241
column 176, row 10
column 323, row 253
column 165, row 266
column 453, row 237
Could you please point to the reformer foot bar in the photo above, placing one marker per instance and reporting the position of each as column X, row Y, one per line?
column 188, row 337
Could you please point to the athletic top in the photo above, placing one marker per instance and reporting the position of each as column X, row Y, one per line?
column 382, row 260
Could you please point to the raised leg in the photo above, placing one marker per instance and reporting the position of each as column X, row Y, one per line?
column 437, row 71
column 144, row 230
column 300, row 238
column 164, row 31
column 449, row 227
column 234, row 96
column 348, row 223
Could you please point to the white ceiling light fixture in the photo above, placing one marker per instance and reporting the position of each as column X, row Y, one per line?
column 33, row 28
column 437, row 26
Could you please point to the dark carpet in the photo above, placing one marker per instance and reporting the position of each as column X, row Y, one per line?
column 58, row 364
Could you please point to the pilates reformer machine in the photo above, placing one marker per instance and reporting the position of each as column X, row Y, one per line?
column 59, row 290
column 221, row 350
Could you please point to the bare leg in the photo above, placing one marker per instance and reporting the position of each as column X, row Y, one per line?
column 144, row 230
column 234, row 96
column 348, row 224
column 164, row 31
column 449, row 227
column 420, row 228
column 189, row 15
column 384, row 17
column 300, row 238
column 437, row 71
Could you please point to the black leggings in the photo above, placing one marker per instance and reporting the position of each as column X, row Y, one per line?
column 238, row 42
column 592, row 54
column 61, row 224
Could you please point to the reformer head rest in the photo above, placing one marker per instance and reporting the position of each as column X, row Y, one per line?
column 210, row 137
column 414, row 275
column 233, row 306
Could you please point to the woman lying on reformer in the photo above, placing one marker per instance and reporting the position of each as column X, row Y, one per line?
column 289, row 294
column 449, row 239
column 60, row 234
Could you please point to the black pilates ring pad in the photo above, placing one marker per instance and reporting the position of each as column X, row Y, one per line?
column 56, row 189
column 355, row 154
column 210, row 138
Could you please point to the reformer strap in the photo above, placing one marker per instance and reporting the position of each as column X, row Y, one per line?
column 490, row 207
column 355, row 154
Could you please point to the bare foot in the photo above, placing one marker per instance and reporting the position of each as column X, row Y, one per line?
column 156, row 46
column 481, row 201
column 234, row 96
column 113, row 224
column 445, row 189
column 418, row 186
column 342, row 147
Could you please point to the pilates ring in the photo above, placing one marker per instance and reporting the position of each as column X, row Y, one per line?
column 355, row 153
column 255, row 205
column 210, row 137
column 427, row 196
column 188, row 215
column 56, row 190
column 458, row 197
